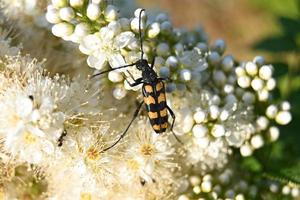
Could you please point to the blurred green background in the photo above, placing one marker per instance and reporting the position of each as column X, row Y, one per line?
column 255, row 27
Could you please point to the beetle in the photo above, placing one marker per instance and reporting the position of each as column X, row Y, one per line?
column 153, row 90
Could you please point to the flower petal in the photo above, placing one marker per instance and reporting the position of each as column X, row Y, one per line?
column 116, row 60
column 24, row 106
column 123, row 39
column 97, row 62
column 90, row 43
column 106, row 34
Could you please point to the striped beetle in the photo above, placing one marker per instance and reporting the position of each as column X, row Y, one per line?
column 153, row 90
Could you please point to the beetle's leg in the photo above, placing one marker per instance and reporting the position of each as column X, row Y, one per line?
column 165, row 79
column 61, row 138
column 172, row 125
column 136, row 82
column 152, row 63
column 124, row 133
column 131, row 76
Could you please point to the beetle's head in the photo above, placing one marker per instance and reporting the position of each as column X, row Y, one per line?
column 142, row 64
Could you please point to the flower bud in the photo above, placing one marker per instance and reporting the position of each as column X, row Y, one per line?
column 161, row 17
column 163, row 49
column 265, row 72
column 111, row 13
column 172, row 62
column 134, row 24
column 153, row 30
column 166, row 27
column 170, row 87
column 218, row 130
column 219, row 46
column 257, row 84
column 285, row 106
column 227, row 63
column 125, row 24
column 262, row 123
column 59, row 3
column 52, row 15
column 199, row 116
column 93, row 11
column 137, row 13
column 246, row 150
column 219, row 77
column 199, row 131
column 263, row 95
column 283, row 117
column 286, row 190
column 273, row 133
column 164, row 72
column 206, row 186
column 66, row 13
column 76, row 3
column 214, row 58
column 259, row 60
column 240, row 71
column 202, row 47
column 271, row 84
column 271, row 111
column 251, row 68
column 62, row 29
column 82, row 29
column 115, row 76
column 119, row 93
column 257, row 141
column 244, row 81
column 248, row 98
column 185, row 75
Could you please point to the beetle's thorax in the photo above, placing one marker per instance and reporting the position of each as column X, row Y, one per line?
column 149, row 75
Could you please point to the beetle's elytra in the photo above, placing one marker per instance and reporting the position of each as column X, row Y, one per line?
column 156, row 106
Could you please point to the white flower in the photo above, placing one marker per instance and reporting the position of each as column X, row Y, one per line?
column 193, row 59
column 20, row 128
column 105, row 46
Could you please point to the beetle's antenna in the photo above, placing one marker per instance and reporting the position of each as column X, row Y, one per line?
column 140, row 31
column 112, row 69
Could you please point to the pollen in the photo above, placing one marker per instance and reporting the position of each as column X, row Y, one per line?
column 85, row 196
column 29, row 138
column 133, row 164
column 93, row 154
column 1, row 193
column 147, row 150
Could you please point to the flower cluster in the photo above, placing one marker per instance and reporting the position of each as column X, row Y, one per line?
column 57, row 126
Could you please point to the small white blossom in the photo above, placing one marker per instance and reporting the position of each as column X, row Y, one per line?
column 105, row 46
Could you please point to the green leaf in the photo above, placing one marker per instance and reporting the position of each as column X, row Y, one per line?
column 276, row 44
column 252, row 164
